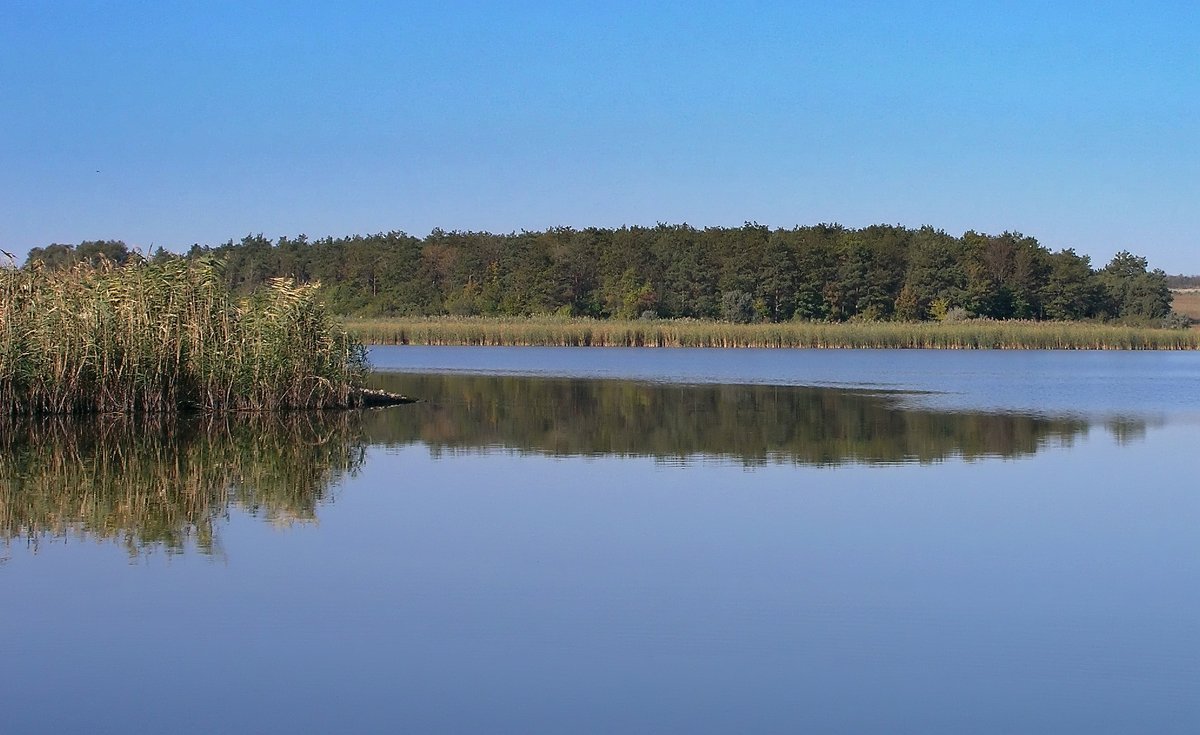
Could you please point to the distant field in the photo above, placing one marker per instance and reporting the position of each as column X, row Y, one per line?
column 1187, row 302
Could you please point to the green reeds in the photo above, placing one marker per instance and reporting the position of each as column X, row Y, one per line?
column 972, row 334
column 164, row 336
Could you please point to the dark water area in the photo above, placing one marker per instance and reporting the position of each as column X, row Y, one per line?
column 729, row 541
column 745, row 424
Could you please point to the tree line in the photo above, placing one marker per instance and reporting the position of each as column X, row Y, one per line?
column 1182, row 281
column 823, row 272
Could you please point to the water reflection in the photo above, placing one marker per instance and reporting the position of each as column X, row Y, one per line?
column 751, row 424
column 169, row 484
column 165, row 484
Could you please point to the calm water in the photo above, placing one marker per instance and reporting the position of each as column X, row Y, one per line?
column 625, row 541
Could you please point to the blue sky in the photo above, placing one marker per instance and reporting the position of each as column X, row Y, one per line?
column 166, row 123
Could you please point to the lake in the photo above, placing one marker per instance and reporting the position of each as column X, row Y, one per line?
column 625, row 540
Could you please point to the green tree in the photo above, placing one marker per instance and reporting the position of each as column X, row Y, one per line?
column 91, row 251
column 776, row 285
column 1072, row 290
column 934, row 273
column 815, row 255
column 737, row 307
column 689, row 273
column 1133, row 291
column 739, row 251
column 55, row 255
column 863, row 286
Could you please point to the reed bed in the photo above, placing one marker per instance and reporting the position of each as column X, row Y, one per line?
column 165, row 336
column 965, row 335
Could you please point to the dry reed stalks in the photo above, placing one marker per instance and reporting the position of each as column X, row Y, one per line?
column 972, row 334
column 163, row 336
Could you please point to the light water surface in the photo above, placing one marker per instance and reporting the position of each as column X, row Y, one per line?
column 625, row 541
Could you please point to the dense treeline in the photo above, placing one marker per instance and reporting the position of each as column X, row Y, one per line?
column 149, row 483
column 749, row 273
column 1182, row 281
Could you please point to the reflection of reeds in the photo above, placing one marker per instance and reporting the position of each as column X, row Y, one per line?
column 156, row 483
column 973, row 334
column 159, row 336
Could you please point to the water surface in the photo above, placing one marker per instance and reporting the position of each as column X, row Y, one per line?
column 1089, row 382
column 630, row 541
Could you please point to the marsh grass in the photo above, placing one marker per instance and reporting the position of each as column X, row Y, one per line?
column 971, row 334
column 160, row 482
column 1187, row 303
column 164, row 336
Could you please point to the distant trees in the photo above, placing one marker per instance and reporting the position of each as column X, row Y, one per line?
column 1182, row 281
column 91, row 251
column 1072, row 290
column 737, row 307
column 1133, row 291
column 748, row 273
column 935, row 277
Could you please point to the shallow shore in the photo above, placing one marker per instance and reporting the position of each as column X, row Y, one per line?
column 973, row 334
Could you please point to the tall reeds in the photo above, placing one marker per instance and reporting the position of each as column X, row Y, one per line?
column 164, row 336
column 972, row 334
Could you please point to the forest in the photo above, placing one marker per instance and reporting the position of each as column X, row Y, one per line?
column 752, row 273
column 1183, row 281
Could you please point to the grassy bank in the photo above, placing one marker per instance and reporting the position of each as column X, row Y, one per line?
column 165, row 336
column 975, row 334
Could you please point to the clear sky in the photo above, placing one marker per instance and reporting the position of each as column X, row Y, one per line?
column 168, row 123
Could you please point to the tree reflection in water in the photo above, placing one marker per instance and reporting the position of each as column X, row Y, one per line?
column 166, row 484
column 751, row 424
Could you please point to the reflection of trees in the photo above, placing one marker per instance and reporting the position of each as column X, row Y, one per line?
column 750, row 423
column 166, row 484
column 158, row 484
